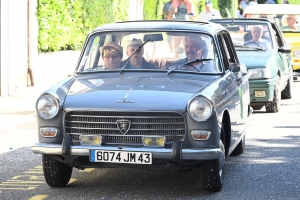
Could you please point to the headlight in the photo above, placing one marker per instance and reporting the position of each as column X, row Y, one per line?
column 259, row 73
column 47, row 106
column 200, row 109
column 297, row 53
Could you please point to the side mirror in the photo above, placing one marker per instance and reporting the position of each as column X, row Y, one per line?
column 234, row 67
column 284, row 49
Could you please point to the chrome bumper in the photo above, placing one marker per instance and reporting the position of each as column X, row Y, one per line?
column 160, row 153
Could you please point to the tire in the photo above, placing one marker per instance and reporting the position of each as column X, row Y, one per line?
column 287, row 92
column 57, row 174
column 240, row 148
column 213, row 176
column 274, row 106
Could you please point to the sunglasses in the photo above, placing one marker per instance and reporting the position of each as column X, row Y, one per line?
column 289, row 18
column 110, row 54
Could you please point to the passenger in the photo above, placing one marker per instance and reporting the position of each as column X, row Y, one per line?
column 256, row 33
column 291, row 23
column 195, row 48
column 137, row 61
column 111, row 54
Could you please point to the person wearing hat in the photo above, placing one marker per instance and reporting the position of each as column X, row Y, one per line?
column 209, row 13
column 137, row 61
column 111, row 54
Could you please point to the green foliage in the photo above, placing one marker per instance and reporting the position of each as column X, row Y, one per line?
column 64, row 24
column 226, row 8
column 150, row 10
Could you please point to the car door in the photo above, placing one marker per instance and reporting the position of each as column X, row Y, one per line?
column 284, row 57
column 238, row 88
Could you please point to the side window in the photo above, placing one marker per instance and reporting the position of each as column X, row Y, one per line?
column 227, row 49
column 230, row 48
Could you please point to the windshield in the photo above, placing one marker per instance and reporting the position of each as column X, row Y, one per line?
column 250, row 35
column 123, row 51
column 286, row 23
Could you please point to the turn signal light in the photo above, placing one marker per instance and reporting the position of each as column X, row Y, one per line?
column 48, row 131
column 200, row 134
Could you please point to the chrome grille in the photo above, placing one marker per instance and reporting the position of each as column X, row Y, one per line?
column 170, row 125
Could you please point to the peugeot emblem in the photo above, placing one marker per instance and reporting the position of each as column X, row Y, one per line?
column 123, row 125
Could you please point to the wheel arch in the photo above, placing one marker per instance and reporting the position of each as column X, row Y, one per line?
column 227, row 129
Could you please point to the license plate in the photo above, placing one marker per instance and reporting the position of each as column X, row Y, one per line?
column 121, row 157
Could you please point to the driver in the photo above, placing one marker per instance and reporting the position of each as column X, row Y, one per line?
column 195, row 48
column 291, row 23
column 256, row 33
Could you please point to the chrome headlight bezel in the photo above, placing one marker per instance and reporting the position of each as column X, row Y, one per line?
column 200, row 108
column 47, row 106
column 258, row 73
column 296, row 53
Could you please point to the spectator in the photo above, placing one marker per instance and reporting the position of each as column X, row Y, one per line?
column 257, row 33
column 270, row 2
column 167, row 8
column 209, row 13
column 112, row 55
column 242, row 6
column 252, row 2
column 137, row 61
column 182, row 10
column 291, row 23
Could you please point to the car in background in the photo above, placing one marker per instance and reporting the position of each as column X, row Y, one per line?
column 175, row 115
column 270, row 71
column 282, row 14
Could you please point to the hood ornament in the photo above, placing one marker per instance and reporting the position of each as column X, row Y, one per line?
column 123, row 125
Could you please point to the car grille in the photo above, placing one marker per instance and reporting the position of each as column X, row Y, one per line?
column 170, row 125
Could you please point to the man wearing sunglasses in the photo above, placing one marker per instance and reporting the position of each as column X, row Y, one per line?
column 111, row 54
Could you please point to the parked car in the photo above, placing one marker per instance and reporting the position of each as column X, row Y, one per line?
column 166, row 113
column 287, row 18
column 268, row 61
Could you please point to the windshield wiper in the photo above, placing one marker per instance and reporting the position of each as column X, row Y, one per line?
column 251, row 47
column 189, row 64
column 128, row 59
column 196, row 60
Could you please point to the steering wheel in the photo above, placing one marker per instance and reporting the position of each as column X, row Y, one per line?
column 192, row 66
column 253, row 44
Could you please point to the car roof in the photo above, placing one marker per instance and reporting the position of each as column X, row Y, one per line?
column 260, row 20
column 164, row 25
column 269, row 9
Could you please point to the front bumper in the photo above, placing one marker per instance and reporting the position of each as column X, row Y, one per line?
column 262, row 84
column 159, row 153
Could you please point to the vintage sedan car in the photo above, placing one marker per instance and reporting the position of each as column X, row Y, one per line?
column 287, row 18
column 268, row 61
column 163, row 113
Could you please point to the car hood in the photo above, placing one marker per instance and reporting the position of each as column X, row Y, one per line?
column 255, row 59
column 133, row 93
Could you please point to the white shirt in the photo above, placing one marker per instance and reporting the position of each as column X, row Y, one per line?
column 206, row 16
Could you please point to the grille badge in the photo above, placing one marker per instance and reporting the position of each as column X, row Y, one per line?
column 123, row 125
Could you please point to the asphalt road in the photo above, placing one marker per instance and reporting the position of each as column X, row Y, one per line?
column 268, row 169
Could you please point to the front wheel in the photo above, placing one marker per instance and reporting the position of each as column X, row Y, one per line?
column 274, row 106
column 57, row 174
column 213, row 176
